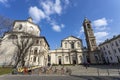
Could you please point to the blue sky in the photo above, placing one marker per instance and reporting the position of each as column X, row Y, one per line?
column 59, row 19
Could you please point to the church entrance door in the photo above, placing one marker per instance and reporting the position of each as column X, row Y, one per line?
column 74, row 58
column 59, row 60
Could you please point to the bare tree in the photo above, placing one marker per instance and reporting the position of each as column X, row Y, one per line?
column 23, row 44
column 5, row 24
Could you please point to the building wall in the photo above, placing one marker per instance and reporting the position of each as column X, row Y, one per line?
column 111, row 50
column 38, row 53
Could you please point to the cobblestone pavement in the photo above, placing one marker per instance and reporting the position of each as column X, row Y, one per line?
column 45, row 77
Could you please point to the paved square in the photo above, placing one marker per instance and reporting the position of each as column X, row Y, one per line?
column 37, row 77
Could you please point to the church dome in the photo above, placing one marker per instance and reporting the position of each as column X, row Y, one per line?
column 26, row 26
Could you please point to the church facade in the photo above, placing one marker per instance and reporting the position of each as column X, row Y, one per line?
column 70, row 52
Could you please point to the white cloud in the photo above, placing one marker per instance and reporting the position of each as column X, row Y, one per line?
column 36, row 13
column 50, row 7
column 101, row 36
column 100, row 22
column 47, row 9
column 58, row 7
column 56, row 28
column 101, row 29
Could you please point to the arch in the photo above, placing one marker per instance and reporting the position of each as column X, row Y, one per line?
column 20, row 26
column 37, row 41
column 72, row 45
column 88, row 25
column 35, row 50
column 74, row 58
column 59, row 60
column 34, row 59
column 78, row 44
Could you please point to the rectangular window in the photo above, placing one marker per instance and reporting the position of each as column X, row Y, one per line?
column 111, row 58
column 107, row 46
column 112, row 44
column 116, row 43
column 109, row 52
column 103, row 47
column 105, row 53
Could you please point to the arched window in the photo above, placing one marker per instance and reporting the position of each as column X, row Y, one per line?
column 40, row 42
column 88, row 25
column 34, row 59
column 72, row 45
column 37, row 41
column 20, row 26
column 35, row 51
column 78, row 44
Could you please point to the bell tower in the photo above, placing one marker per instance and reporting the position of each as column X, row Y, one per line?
column 90, row 40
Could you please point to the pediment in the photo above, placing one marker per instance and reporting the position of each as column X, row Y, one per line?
column 72, row 38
